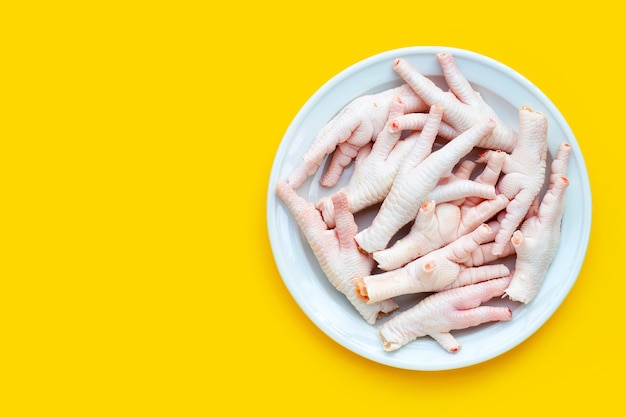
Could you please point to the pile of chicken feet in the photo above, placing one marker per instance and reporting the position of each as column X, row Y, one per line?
column 461, row 222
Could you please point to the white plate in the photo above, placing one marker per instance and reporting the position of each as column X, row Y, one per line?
column 505, row 90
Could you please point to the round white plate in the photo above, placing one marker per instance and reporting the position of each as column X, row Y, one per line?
column 505, row 90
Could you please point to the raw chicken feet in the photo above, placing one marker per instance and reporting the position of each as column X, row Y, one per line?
column 484, row 254
column 436, row 225
column 435, row 271
column 463, row 222
column 438, row 314
column 335, row 249
column 538, row 239
column 524, row 172
column 412, row 184
column 463, row 107
column 352, row 128
column 375, row 167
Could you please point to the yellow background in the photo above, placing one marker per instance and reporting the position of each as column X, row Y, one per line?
column 137, row 141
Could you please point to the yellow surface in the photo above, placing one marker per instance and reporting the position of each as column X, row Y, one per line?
column 137, row 141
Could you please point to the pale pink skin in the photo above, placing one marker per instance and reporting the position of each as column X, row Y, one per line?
column 335, row 249
column 461, row 175
column 377, row 163
column 438, row 314
column 524, row 172
column 435, row 271
column 435, row 226
column 490, row 174
column 558, row 168
column 357, row 124
column 450, row 187
column 375, row 167
column 438, row 224
column 463, row 106
column 455, row 189
column 417, row 121
column 484, row 254
column 537, row 241
column 413, row 183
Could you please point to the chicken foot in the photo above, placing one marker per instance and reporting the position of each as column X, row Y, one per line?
column 353, row 127
column 524, row 172
column 438, row 224
column 463, row 106
column 335, row 249
column 414, row 181
column 537, row 241
column 440, row 269
column 438, row 314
